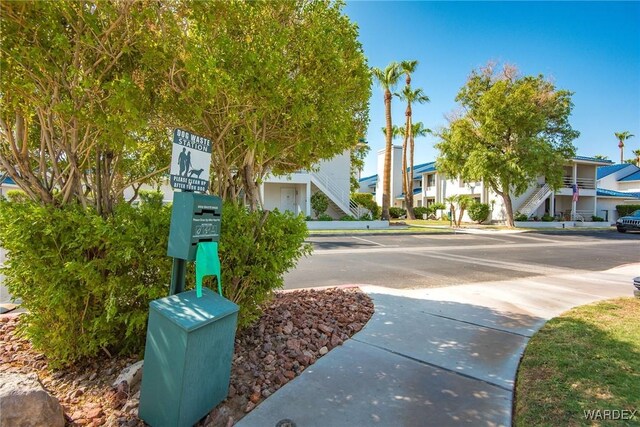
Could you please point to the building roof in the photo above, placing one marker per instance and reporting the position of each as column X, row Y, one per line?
column 7, row 181
column 591, row 159
column 415, row 192
column 613, row 193
column 608, row 170
column 366, row 178
column 634, row 176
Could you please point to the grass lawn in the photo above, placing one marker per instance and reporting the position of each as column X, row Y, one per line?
column 587, row 359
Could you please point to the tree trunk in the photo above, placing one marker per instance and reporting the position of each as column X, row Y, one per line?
column 386, row 182
column 508, row 206
column 405, row 177
column 410, row 214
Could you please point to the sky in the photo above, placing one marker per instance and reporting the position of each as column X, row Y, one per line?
column 589, row 48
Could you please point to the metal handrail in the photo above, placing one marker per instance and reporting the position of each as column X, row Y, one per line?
column 534, row 199
column 586, row 183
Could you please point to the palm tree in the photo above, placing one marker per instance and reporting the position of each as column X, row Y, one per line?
column 637, row 154
column 387, row 79
column 622, row 137
column 410, row 96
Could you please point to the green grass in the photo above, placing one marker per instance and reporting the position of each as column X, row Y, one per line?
column 586, row 359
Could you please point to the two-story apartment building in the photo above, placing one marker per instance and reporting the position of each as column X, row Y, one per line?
column 581, row 172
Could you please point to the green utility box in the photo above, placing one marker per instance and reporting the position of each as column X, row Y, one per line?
column 194, row 218
column 187, row 357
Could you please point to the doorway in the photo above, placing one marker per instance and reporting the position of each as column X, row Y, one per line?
column 288, row 199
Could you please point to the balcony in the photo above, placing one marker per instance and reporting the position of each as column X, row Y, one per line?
column 586, row 183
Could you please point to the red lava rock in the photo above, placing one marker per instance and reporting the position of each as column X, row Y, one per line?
column 295, row 328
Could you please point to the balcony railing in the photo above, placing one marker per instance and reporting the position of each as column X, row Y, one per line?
column 588, row 183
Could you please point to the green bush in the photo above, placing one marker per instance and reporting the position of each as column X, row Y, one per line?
column 432, row 208
column 319, row 203
column 446, row 217
column 479, row 212
column 595, row 218
column 86, row 281
column 256, row 249
column 419, row 211
column 396, row 212
column 520, row 217
column 367, row 201
column 624, row 210
column 324, row 217
column 547, row 218
column 348, row 218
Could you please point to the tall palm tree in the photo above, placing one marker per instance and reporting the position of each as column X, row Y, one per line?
column 622, row 137
column 410, row 97
column 387, row 79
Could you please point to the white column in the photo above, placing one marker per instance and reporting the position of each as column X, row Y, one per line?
column 308, row 199
column 575, row 182
column 552, row 204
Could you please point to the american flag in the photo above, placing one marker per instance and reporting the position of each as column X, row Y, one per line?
column 576, row 192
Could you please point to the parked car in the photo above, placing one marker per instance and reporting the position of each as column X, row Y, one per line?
column 629, row 222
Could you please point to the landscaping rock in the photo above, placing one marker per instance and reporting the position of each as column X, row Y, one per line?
column 132, row 375
column 25, row 402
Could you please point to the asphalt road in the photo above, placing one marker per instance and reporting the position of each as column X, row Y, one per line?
column 435, row 260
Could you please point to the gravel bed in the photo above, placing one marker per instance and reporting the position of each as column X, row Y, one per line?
column 295, row 330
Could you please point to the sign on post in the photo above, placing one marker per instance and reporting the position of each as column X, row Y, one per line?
column 190, row 161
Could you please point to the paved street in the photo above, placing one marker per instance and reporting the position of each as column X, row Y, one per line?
column 434, row 260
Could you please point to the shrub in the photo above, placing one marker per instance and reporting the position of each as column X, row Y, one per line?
column 319, row 203
column 479, row 212
column 325, row 217
column 434, row 207
column 624, row 210
column 256, row 249
column 547, row 218
column 367, row 201
column 419, row 211
column 308, row 218
column 396, row 212
column 87, row 281
column 446, row 217
column 348, row 218
column 520, row 217
column 595, row 218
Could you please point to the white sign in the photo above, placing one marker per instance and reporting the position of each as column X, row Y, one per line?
column 190, row 162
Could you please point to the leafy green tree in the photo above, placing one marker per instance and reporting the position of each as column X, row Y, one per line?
column 387, row 79
column 601, row 157
column 357, row 157
column 622, row 137
column 512, row 130
column 259, row 79
column 80, row 90
column 479, row 212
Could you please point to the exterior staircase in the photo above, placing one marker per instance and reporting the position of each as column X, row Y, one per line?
column 339, row 199
column 535, row 199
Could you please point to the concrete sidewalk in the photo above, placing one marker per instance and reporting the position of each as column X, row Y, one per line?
column 439, row 356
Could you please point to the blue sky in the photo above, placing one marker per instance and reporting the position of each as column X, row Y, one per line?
column 590, row 48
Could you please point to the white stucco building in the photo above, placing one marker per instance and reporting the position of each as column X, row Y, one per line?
column 598, row 193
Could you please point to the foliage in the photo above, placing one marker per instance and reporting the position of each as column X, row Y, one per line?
column 348, row 218
column 547, row 218
column 90, row 90
column 479, row 212
column 419, row 211
column 319, row 203
column 583, row 360
column 458, row 204
column 256, row 249
column 80, row 88
column 513, row 130
column 367, row 201
column 260, row 79
column 622, row 137
column 387, row 79
column 521, row 217
column 596, row 218
column 357, row 157
column 434, row 207
column 396, row 212
column 324, row 217
column 85, row 280
column 624, row 210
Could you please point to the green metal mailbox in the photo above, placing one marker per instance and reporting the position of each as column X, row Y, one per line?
column 194, row 218
column 187, row 358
